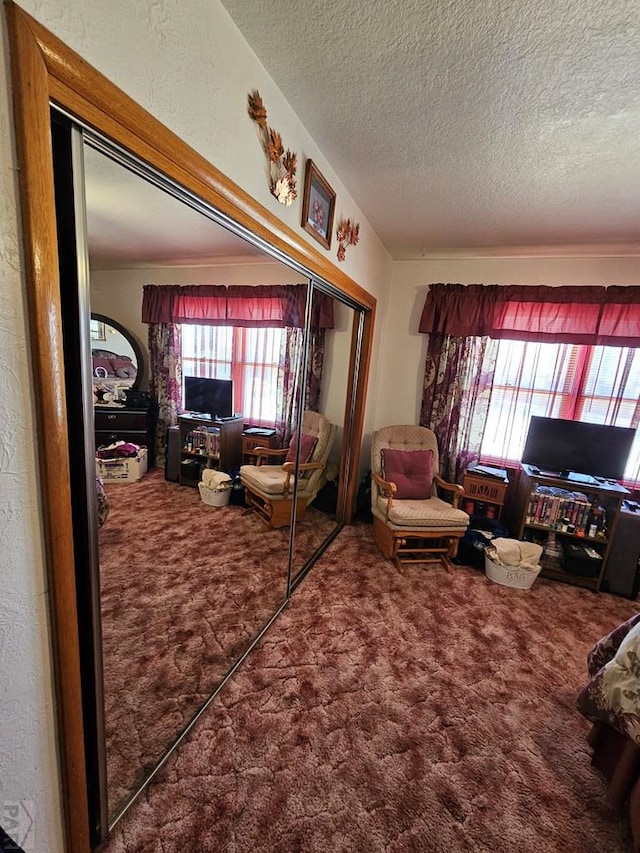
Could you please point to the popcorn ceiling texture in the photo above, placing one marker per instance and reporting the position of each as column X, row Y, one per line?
column 467, row 124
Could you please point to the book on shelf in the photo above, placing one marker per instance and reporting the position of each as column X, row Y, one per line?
column 204, row 440
column 557, row 509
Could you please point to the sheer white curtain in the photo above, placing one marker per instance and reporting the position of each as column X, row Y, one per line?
column 249, row 357
column 595, row 384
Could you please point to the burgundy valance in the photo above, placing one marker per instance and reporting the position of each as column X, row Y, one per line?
column 578, row 315
column 259, row 306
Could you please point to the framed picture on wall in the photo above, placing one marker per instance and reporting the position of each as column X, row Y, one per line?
column 318, row 205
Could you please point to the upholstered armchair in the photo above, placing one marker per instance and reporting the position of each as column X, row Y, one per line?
column 269, row 484
column 411, row 523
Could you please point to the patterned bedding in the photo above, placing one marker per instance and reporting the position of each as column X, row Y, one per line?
column 612, row 694
column 108, row 365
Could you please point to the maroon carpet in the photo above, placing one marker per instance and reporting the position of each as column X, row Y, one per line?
column 424, row 712
column 185, row 588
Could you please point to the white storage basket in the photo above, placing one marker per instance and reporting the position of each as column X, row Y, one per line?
column 214, row 497
column 123, row 469
column 514, row 576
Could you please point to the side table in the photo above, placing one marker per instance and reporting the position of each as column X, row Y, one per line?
column 485, row 489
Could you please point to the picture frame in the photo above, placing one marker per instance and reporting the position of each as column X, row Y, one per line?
column 318, row 205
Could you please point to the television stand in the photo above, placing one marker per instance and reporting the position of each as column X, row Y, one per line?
column 565, row 506
column 208, row 443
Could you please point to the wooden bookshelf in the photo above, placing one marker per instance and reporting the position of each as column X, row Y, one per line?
column 548, row 503
column 208, row 443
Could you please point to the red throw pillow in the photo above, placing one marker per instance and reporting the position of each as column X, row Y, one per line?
column 410, row 470
column 307, row 446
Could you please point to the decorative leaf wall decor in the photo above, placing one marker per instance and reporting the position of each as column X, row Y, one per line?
column 348, row 234
column 282, row 164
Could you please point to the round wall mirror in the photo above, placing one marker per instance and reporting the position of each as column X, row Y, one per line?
column 116, row 358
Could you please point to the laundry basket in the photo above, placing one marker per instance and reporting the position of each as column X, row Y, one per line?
column 215, row 488
column 512, row 563
column 510, row 575
column 214, row 497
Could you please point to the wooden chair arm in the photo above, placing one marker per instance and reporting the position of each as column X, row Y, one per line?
column 383, row 484
column 290, row 469
column 259, row 452
column 387, row 489
column 306, row 466
column 457, row 491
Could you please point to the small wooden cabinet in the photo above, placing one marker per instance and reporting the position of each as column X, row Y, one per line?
column 208, row 443
column 484, row 493
column 252, row 439
column 120, row 423
column 582, row 516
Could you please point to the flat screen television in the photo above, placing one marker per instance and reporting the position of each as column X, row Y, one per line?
column 212, row 397
column 571, row 448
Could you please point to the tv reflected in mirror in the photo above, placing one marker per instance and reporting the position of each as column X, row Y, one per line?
column 205, row 396
column 563, row 448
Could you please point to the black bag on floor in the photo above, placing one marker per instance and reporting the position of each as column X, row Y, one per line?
column 479, row 534
column 237, row 492
column 363, row 500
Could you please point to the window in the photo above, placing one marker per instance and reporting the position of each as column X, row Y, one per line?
column 249, row 357
column 595, row 384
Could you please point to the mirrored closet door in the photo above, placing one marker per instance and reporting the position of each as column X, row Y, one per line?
column 327, row 392
column 184, row 590
column 141, row 642
column 180, row 590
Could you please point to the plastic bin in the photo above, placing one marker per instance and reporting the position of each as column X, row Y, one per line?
column 124, row 469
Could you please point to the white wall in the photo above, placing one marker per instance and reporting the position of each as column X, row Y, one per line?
column 399, row 392
column 188, row 65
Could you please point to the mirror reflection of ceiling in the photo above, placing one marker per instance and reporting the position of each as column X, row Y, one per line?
column 133, row 224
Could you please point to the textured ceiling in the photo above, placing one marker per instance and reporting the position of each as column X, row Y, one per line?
column 468, row 125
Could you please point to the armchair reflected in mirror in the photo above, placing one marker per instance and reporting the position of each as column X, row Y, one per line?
column 269, row 488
